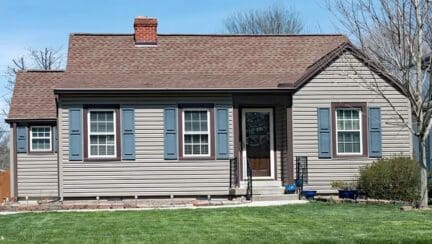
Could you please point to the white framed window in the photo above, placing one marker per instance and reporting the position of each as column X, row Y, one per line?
column 40, row 139
column 196, row 132
column 101, row 133
column 349, row 131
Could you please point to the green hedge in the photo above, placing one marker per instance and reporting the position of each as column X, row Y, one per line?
column 392, row 178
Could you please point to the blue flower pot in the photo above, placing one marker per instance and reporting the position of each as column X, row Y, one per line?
column 309, row 194
column 289, row 189
column 348, row 194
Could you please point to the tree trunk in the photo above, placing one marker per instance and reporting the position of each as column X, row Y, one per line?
column 423, row 174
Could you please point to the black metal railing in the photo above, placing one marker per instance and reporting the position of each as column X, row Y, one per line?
column 249, row 181
column 233, row 173
column 302, row 175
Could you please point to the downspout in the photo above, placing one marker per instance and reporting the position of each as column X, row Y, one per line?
column 13, row 164
column 59, row 185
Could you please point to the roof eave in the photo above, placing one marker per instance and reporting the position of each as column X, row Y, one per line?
column 26, row 120
column 169, row 90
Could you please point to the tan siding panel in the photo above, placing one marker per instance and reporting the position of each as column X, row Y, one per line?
column 150, row 174
column 37, row 175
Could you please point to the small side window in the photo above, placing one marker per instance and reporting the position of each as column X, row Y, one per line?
column 41, row 139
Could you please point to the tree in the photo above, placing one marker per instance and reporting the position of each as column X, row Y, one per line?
column 396, row 34
column 41, row 59
column 4, row 150
column 277, row 19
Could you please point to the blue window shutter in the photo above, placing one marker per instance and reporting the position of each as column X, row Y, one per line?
column 222, row 151
column 55, row 143
column 324, row 133
column 128, row 134
column 21, row 139
column 75, row 134
column 170, row 133
column 374, row 132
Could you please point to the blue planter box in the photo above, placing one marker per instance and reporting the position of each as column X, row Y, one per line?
column 309, row 194
column 348, row 194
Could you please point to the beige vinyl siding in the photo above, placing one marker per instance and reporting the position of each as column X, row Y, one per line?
column 338, row 83
column 149, row 174
column 37, row 175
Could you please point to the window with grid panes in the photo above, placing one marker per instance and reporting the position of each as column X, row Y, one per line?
column 196, row 132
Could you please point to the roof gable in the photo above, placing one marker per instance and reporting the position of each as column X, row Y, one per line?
column 33, row 96
column 331, row 57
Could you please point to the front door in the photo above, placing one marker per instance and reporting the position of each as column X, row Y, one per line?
column 257, row 139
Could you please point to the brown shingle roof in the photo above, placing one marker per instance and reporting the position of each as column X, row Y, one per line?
column 33, row 96
column 104, row 61
column 193, row 61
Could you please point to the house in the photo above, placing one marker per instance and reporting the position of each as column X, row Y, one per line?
column 148, row 114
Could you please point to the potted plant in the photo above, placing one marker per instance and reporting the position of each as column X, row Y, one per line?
column 309, row 195
column 347, row 189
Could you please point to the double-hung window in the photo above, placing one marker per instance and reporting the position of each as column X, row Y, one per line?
column 102, row 134
column 349, row 131
column 40, row 139
column 196, row 132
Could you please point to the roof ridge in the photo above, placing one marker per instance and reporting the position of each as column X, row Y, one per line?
column 214, row 34
column 41, row 71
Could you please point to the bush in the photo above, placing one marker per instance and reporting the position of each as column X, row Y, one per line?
column 345, row 185
column 392, row 179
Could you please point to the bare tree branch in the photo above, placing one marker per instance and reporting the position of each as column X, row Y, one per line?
column 277, row 19
column 396, row 34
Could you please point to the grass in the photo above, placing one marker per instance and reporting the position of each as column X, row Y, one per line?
column 314, row 222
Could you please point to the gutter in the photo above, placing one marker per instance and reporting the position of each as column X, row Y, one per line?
column 159, row 91
column 14, row 120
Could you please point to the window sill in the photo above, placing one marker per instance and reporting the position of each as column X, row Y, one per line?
column 197, row 158
column 101, row 159
column 42, row 153
column 347, row 156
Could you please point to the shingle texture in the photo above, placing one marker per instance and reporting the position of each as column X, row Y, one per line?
column 33, row 96
column 104, row 61
column 193, row 61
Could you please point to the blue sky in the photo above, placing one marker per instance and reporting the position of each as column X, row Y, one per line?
column 47, row 23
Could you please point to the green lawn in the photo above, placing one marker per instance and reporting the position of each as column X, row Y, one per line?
column 314, row 222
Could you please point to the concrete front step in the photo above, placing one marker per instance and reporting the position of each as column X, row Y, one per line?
column 261, row 187
column 266, row 183
column 267, row 190
column 262, row 183
column 261, row 191
column 275, row 197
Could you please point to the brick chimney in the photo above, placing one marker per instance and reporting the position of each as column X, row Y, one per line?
column 145, row 30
